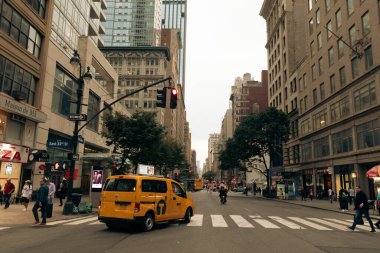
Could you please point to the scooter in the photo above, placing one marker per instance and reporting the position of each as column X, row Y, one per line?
column 223, row 199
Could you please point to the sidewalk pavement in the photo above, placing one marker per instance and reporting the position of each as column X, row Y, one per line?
column 15, row 214
column 320, row 204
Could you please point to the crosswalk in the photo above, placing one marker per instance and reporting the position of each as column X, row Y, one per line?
column 239, row 221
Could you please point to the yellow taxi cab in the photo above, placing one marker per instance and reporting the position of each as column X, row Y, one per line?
column 143, row 199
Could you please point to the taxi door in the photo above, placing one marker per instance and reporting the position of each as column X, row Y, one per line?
column 162, row 208
column 150, row 199
column 178, row 199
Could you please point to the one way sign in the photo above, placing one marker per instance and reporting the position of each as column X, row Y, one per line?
column 78, row 117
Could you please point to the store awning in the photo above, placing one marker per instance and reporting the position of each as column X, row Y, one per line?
column 374, row 172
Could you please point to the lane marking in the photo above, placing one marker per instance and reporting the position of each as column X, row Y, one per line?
column 264, row 223
column 196, row 221
column 63, row 221
column 347, row 223
column 2, row 228
column 218, row 221
column 82, row 221
column 330, row 224
column 308, row 223
column 95, row 223
column 241, row 222
column 287, row 223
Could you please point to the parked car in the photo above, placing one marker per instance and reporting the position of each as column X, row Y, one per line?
column 238, row 189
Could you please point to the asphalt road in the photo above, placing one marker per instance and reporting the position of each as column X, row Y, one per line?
column 244, row 224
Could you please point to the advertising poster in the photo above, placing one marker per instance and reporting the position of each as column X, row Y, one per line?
column 145, row 169
column 97, row 179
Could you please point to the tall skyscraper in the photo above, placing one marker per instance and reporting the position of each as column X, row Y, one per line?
column 133, row 23
column 174, row 17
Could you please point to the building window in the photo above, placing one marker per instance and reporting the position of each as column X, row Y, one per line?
column 65, row 91
column 319, row 40
column 338, row 17
column 368, row 57
column 16, row 81
column 342, row 141
column 93, row 108
column 305, row 103
column 306, row 151
column 318, row 16
column 310, row 4
column 350, row 7
column 368, row 134
column 311, row 26
column 329, row 29
column 305, row 127
column 331, row 56
column 320, row 66
column 340, row 109
column 365, row 97
column 319, row 119
column 313, row 72
column 327, row 5
column 321, row 147
column 366, row 28
column 315, row 97
column 355, row 67
column 342, row 76
column 322, row 91
column 352, row 35
column 332, row 83
column 39, row 6
column 340, row 48
column 20, row 30
column 312, row 52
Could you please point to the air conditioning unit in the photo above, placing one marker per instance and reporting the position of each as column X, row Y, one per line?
column 18, row 95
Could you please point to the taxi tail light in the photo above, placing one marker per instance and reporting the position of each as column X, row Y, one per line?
column 137, row 207
column 100, row 203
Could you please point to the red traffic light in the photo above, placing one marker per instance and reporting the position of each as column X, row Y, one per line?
column 173, row 91
column 173, row 98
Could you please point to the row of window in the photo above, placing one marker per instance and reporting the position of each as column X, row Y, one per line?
column 19, row 29
column 368, row 135
column 39, row 6
column 16, row 81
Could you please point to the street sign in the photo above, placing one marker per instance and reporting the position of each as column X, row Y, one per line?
column 80, row 139
column 71, row 156
column 75, row 156
column 78, row 117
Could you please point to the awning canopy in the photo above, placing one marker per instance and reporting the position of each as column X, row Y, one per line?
column 374, row 171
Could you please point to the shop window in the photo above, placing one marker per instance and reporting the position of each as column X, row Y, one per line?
column 368, row 134
column 342, row 141
column 321, row 147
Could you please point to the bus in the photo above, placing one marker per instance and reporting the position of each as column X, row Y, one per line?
column 192, row 184
column 198, row 184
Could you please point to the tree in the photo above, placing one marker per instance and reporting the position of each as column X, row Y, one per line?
column 133, row 136
column 209, row 175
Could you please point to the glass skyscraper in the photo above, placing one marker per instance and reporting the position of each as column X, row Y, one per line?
column 174, row 17
column 133, row 23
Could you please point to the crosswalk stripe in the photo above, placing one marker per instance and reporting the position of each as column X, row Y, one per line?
column 241, row 222
column 62, row 221
column 287, row 223
column 218, row 221
column 347, row 223
column 95, row 223
column 82, row 221
column 308, row 223
column 196, row 220
column 264, row 223
column 3, row 228
column 330, row 224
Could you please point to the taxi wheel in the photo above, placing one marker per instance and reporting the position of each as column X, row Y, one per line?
column 148, row 222
column 187, row 217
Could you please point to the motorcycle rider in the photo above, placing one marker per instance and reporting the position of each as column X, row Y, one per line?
column 223, row 193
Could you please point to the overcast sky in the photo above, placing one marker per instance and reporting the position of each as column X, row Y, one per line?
column 225, row 39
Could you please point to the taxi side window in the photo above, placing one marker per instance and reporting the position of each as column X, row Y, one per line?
column 154, row 186
column 125, row 185
column 178, row 190
column 161, row 187
column 109, row 185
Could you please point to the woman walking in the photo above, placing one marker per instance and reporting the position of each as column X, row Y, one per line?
column 26, row 194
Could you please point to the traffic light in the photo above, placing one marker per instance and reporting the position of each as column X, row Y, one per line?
column 173, row 98
column 161, row 98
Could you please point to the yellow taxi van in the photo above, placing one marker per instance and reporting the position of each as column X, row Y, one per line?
column 143, row 199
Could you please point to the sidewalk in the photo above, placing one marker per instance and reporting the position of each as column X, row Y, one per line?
column 15, row 214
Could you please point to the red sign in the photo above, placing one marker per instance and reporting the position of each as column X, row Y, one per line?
column 67, row 174
column 13, row 153
column 42, row 167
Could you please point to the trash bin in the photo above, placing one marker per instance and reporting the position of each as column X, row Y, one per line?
column 76, row 198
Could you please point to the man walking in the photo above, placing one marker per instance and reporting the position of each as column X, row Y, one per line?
column 9, row 188
column 41, row 202
column 361, row 205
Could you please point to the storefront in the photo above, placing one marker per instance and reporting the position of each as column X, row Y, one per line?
column 307, row 179
column 343, row 178
column 13, row 159
column 323, row 182
column 373, row 176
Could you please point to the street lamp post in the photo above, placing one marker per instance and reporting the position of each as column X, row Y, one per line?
column 75, row 60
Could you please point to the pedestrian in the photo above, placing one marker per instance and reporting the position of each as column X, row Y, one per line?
column 52, row 189
column 343, row 199
column 311, row 194
column 9, row 188
column 1, row 195
column 286, row 191
column 362, row 207
column 41, row 202
column 330, row 191
column 62, row 190
column 351, row 193
column 26, row 194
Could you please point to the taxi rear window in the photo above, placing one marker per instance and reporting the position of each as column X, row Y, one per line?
column 120, row 185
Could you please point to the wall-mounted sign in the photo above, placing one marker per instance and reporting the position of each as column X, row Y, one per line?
column 58, row 143
column 13, row 153
column 97, row 179
column 22, row 109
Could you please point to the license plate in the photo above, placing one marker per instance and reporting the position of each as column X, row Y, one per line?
column 123, row 206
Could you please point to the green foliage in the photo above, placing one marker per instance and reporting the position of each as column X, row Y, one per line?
column 209, row 175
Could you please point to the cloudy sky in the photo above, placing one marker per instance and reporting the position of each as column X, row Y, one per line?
column 225, row 39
